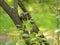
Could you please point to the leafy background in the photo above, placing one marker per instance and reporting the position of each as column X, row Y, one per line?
column 42, row 11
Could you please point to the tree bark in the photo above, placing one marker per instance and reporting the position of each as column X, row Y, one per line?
column 23, row 8
column 22, row 5
column 12, row 13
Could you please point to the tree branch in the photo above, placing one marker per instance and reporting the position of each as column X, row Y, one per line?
column 12, row 13
column 23, row 8
column 16, row 5
column 22, row 5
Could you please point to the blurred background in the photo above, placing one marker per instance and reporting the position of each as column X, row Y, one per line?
column 42, row 11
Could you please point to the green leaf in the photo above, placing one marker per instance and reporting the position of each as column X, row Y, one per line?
column 33, row 35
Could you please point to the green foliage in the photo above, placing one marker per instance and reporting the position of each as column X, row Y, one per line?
column 44, row 15
column 6, row 23
column 21, row 42
column 2, row 42
column 10, row 3
column 10, row 43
